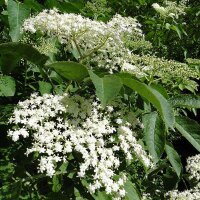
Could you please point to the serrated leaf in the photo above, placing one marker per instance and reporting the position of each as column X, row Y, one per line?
column 154, row 130
column 7, row 86
column 70, row 70
column 154, row 97
column 17, row 13
column 44, row 87
column 12, row 52
column 189, row 129
column 131, row 191
column 174, row 159
column 185, row 100
column 107, row 88
column 160, row 89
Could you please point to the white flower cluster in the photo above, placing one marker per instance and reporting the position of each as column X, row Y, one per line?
column 96, row 43
column 61, row 125
column 192, row 194
column 146, row 196
column 171, row 8
column 193, row 167
column 129, row 144
column 102, row 45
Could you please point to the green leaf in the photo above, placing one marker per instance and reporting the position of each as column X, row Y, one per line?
column 170, row 179
column 131, row 191
column 7, row 86
column 154, row 131
column 185, row 100
column 178, row 31
column 78, row 195
column 154, row 97
column 80, row 198
column 189, row 129
column 107, row 88
column 70, row 7
column 56, row 184
column 174, row 159
column 44, row 87
column 54, row 76
column 17, row 13
column 52, row 4
column 12, row 52
column 56, row 196
column 167, row 26
column 101, row 196
column 70, row 70
column 63, row 167
column 34, row 5
column 160, row 89
column 67, row 6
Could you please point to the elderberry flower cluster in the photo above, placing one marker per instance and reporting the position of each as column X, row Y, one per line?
column 107, row 46
column 192, row 194
column 171, row 8
column 160, row 68
column 146, row 196
column 193, row 167
column 93, row 42
column 60, row 126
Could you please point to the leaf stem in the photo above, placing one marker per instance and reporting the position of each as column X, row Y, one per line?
column 95, row 49
column 77, row 46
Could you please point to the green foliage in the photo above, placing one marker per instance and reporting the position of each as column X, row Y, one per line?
column 44, row 87
column 65, row 6
column 102, row 195
column 17, row 13
column 174, row 159
column 169, row 41
column 11, row 53
column 185, row 100
column 70, row 70
column 154, row 135
column 189, row 129
column 34, row 5
column 131, row 191
column 56, row 184
column 153, row 97
column 97, row 9
column 107, row 87
column 7, row 86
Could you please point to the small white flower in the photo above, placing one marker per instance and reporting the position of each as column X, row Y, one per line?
column 57, row 128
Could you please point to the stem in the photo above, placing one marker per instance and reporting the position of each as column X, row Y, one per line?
column 70, row 82
column 77, row 46
column 25, row 78
column 34, row 178
column 42, row 72
column 95, row 49
column 185, row 183
column 53, row 86
column 46, row 76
